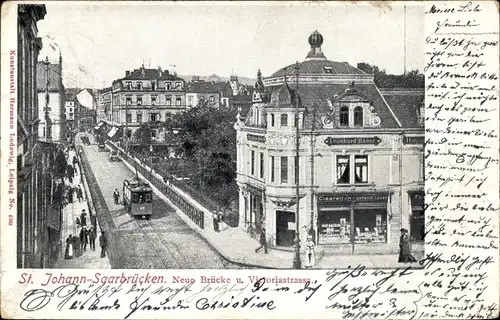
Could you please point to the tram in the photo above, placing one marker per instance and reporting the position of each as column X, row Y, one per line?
column 138, row 198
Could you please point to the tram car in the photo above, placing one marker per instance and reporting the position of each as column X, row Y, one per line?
column 138, row 198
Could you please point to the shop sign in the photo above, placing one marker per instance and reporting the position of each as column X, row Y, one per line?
column 348, row 141
column 353, row 197
column 256, row 138
column 414, row 140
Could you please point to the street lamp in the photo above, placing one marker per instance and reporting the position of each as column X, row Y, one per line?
column 296, row 258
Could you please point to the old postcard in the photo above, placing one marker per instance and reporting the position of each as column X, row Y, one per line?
column 249, row 160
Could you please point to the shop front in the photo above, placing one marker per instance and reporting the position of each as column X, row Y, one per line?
column 353, row 219
column 254, row 209
column 417, row 217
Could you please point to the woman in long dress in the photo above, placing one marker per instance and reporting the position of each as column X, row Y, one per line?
column 310, row 255
column 405, row 255
column 68, row 253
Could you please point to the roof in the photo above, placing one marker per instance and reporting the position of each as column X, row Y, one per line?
column 55, row 78
column 70, row 93
column 201, row 87
column 405, row 103
column 150, row 74
column 315, row 97
column 318, row 67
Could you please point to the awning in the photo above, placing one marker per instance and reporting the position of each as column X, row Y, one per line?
column 112, row 132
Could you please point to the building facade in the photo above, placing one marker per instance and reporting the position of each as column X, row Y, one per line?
column 51, row 95
column 71, row 107
column 360, row 164
column 32, row 214
column 143, row 95
column 202, row 92
column 87, row 111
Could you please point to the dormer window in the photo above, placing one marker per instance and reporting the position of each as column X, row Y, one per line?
column 358, row 116
column 168, row 86
column 328, row 69
column 139, row 85
column 284, row 120
column 129, row 85
column 344, row 116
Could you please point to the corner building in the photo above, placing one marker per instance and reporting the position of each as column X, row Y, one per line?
column 360, row 159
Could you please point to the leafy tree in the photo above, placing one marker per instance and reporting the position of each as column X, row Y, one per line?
column 412, row 79
column 143, row 134
column 208, row 141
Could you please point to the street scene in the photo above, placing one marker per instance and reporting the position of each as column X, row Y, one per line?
column 209, row 150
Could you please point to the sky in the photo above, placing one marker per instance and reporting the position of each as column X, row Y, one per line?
column 100, row 41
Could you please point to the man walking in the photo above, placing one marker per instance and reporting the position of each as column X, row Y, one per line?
column 83, row 218
column 92, row 236
column 103, row 242
column 116, row 195
column 262, row 240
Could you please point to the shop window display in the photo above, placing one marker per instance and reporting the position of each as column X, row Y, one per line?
column 334, row 227
column 370, row 226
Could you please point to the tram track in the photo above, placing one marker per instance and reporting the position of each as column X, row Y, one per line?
column 154, row 244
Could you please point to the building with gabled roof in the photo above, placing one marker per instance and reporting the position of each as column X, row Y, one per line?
column 200, row 92
column 360, row 166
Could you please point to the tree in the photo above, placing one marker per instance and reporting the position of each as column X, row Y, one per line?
column 412, row 79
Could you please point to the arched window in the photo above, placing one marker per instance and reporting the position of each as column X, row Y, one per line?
column 344, row 116
column 284, row 120
column 358, row 116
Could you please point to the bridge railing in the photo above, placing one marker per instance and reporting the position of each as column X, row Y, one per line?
column 166, row 188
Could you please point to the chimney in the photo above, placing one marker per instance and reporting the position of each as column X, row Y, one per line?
column 127, row 73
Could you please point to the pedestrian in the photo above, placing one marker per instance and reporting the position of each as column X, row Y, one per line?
column 216, row 222
column 405, row 255
column 262, row 240
column 116, row 196
column 83, row 218
column 70, row 195
column 103, row 242
column 310, row 254
column 92, row 236
column 68, row 252
column 82, row 236
column 85, row 238
column 76, row 246
column 79, row 194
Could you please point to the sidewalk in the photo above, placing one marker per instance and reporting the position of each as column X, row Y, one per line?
column 235, row 245
column 89, row 259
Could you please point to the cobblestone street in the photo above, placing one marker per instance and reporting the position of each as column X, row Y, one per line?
column 164, row 241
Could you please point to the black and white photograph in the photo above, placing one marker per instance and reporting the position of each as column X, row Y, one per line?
column 175, row 137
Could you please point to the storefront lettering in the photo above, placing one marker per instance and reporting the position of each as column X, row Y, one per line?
column 344, row 141
column 413, row 140
column 353, row 197
column 253, row 137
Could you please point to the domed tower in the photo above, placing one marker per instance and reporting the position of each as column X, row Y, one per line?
column 315, row 40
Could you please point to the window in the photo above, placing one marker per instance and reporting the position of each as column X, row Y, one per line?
column 358, row 116
column 343, row 168
column 168, row 86
column 139, row 100
column 153, row 134
column 129, row 101
column 344, row 116
column 328, row 70
column 153, row 85
column 155, row 117
column 252, row 172
column 211, row 99
column 168, row 102
column 129, row 132
column 190, row 100
column 284, row 169
column 153, row 101
column 178, row 101
column 139, row 117
column 272, row 168
column 129, row 85
column 129, row 117
column 178, row 85
column 139, row 85
column 272, row 120
column 360, row 169
column 261, row 165
column 284, row 120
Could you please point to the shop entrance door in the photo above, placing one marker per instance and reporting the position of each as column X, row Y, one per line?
column 285, row 233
